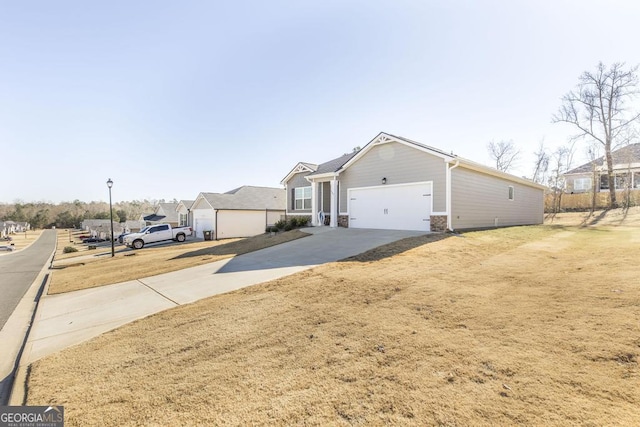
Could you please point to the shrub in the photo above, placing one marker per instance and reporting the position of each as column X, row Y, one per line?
column 288, row 227
column 279, row 225
column 69, row 249
column 303, row 221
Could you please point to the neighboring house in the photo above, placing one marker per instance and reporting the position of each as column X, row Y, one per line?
column 626, row 172
column 185, row 218
column 7, row 227
column 101, row 227
column 165, row 213
column 21, row 227
column 242, row 212
column 133, row 226
column 396, row 183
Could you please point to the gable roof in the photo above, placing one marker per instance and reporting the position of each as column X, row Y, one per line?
column 333, row 165
column 186, row 203
column 301, row 167
column 247, row 198
column 621, row 157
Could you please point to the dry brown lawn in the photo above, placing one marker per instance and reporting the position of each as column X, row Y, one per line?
column 22, row 240
column 77, row 271
column 519, row 326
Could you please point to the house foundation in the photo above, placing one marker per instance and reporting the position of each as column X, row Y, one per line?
column 438, row 223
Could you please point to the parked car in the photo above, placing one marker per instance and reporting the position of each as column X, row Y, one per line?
column 157, row 233
column 7, row 248
column 93, row 240
column 121, row 237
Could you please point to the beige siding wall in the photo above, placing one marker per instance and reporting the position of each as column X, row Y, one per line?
column 478, row 199
column 297, row 180
column 274, row 216
column 399, row 164
column 240, row 223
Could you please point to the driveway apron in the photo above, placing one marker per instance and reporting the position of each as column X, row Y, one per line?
column 67, row 319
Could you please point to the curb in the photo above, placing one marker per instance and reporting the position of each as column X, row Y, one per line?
column 22, row 319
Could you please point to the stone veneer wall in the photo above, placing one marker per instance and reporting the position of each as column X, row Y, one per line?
column 343, row 221
column 438, row 223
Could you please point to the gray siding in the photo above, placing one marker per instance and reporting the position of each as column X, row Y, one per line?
column 399, row 164
column 297, row 180
column 478, row 199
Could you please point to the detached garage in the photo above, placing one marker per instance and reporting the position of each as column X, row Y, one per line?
column 396, row 183
column 243, row 212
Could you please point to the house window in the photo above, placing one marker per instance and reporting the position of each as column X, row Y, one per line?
column 183, row 220
column 636, row 180
column 582, row 184
column 622, row 181
column 604, row 182
column 302, row 198
column 512, row 192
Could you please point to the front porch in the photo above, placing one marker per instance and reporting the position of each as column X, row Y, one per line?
column 324, row 201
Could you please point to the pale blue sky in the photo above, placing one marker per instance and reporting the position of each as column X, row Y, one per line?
column 169, row 99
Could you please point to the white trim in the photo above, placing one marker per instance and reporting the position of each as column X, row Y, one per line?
column 333, row 219
column 511, row 193
column 317, row 178
column 301, row 167
column 438, row 213
column 314, row 203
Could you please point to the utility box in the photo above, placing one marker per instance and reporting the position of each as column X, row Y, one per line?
column 208, row 234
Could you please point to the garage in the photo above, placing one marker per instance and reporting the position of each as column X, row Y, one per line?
column 391, row 207
column 201, row 225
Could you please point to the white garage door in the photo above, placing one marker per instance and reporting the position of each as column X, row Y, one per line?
column 391, row 207
column 202, row 224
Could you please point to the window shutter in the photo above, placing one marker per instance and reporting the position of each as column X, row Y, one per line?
column 293, row 199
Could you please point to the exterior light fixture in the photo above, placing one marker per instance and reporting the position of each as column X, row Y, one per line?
column 384, row 180
column 110, row 184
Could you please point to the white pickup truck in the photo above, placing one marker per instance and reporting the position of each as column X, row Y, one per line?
column 156, row 233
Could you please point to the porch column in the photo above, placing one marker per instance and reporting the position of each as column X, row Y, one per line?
column 314, row 204
column 334, row 203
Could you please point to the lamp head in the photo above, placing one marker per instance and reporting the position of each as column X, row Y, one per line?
column 109, row 183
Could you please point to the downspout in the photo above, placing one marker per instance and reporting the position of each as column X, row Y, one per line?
column 215, row 222
column 449, row 210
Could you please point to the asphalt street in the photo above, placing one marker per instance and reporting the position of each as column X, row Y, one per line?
column 19, row 269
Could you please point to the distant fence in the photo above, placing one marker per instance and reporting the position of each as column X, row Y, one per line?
column 582, row 201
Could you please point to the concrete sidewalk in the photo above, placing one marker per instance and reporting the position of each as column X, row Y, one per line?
column 66, row 319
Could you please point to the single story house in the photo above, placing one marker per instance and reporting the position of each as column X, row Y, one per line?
column 396, row 183
column 185, row 218
column 626, row 172
column 243, row 212
column 165, row 213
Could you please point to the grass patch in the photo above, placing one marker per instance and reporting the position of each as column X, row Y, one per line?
column 515, row 326
column 102, row 270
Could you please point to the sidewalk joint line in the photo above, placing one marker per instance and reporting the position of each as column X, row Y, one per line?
column 159, row 293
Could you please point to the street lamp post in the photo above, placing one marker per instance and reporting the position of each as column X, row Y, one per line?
column 110, row 184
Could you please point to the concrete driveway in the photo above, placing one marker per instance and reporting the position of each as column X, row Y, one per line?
column 67, row 319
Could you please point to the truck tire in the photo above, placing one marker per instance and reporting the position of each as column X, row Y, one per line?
column 138, row 244
column 181, row 237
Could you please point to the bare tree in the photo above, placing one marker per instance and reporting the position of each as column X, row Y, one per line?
column 594, row 155
column 541, row 164
column 504, row 153
column 561, row 161
column 598, row 108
